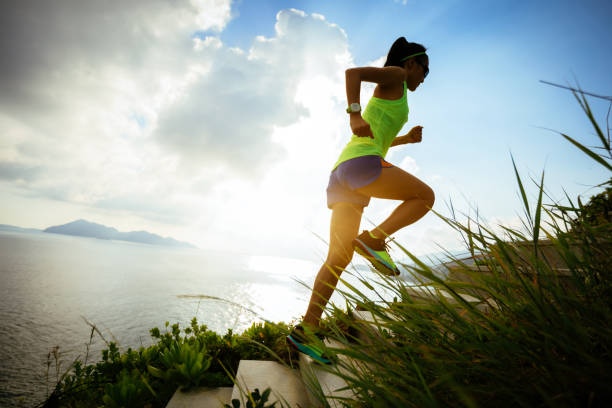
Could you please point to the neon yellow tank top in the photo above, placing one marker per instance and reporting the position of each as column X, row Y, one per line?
column 386, row 118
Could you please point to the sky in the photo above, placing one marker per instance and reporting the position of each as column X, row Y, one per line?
column 217, row 122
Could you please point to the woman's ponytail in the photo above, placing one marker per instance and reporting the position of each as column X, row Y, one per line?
column 400, row 49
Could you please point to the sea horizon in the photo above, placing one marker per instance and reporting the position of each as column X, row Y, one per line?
column 53, row 285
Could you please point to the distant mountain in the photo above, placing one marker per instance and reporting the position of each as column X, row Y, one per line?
column 4, row 227
column 83, row 228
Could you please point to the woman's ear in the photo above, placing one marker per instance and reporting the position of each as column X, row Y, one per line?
column 409, row 64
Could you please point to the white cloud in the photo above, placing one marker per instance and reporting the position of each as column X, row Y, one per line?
column 409, row 164
column 212, row 14
column 227, row 148
column 144, row 120
column 86, row 79
column 278, row 213
column 208, row 41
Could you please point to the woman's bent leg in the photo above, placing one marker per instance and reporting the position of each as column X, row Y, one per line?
column 344, row 228
column 396, row 184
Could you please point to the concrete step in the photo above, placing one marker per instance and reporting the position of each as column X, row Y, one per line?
column 548, row 254
column 373, row 326
column 321, row 383
column 369, row 325
column 286, row 384
column 425, row 293
column 201, row 397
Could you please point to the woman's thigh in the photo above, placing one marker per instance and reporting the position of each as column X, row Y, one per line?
column 344, row 227
column 396, row 184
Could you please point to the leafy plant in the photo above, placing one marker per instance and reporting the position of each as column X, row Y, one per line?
column 128, row 392
column 184, row 364
column 597, row 212
column 255, row 400
column 186, row 358
column 257, row 341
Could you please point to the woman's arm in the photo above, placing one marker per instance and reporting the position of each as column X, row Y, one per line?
column 414, row 136
column 354, row 76
column 400, row 140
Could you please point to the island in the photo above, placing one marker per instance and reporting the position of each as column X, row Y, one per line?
column 83, row 228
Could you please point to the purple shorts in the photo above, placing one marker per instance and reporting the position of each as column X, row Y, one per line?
column 351, row 175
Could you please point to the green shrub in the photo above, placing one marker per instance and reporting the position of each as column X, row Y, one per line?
column 183, row 364
column 128, row 392
column 195, row 357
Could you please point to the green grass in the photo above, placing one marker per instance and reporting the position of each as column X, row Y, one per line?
column 534, row 329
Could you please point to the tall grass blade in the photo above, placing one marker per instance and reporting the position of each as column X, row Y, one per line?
column 584, row 104
column 538, row 212
column 523, row 195
column 589, row 152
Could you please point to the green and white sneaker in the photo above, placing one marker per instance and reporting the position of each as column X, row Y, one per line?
column 375, row 251
column 300, row 341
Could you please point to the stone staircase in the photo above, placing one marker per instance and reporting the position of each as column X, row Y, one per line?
column 306, row 386
column 312, row 385
column 201, row 397
column 303, row 387
column 465, row 269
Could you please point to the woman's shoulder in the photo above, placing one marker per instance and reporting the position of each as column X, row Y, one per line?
column 385, row 76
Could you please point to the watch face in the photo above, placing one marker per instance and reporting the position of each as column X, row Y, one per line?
column 355, row 107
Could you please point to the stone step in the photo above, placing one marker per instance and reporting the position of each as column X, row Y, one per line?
column 419, row 294
column 321, row 383
column 470, row 270
column 369, row 325
column 286, row 384
column 373, row 325
column 425, row 293
column 201, row 397
column 457, row 269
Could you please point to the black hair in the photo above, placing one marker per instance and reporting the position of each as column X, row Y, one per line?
column 401, row 49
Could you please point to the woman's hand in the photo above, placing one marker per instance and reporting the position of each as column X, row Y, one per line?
column 360, row 127
column 415, row 135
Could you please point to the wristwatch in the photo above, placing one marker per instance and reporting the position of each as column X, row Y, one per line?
column 354, row 107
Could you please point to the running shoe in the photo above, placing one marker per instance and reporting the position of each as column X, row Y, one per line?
column 300, row 341
column 375, row 251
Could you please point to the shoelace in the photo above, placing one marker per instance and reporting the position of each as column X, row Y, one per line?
column 385, row 244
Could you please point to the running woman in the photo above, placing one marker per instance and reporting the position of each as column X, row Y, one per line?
column 361, row 173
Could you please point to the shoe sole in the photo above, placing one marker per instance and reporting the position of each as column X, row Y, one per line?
column 362, row 250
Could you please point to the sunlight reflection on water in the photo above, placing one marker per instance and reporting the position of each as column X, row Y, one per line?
column 283, row 268
column 52, row 283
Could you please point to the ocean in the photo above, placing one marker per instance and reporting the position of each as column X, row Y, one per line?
column 55, row 287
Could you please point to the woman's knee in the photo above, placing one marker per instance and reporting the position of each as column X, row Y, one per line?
column 429, row 197
column 425, row 194
column 339, row 261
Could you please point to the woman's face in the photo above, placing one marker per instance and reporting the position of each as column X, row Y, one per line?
column 415, row 72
